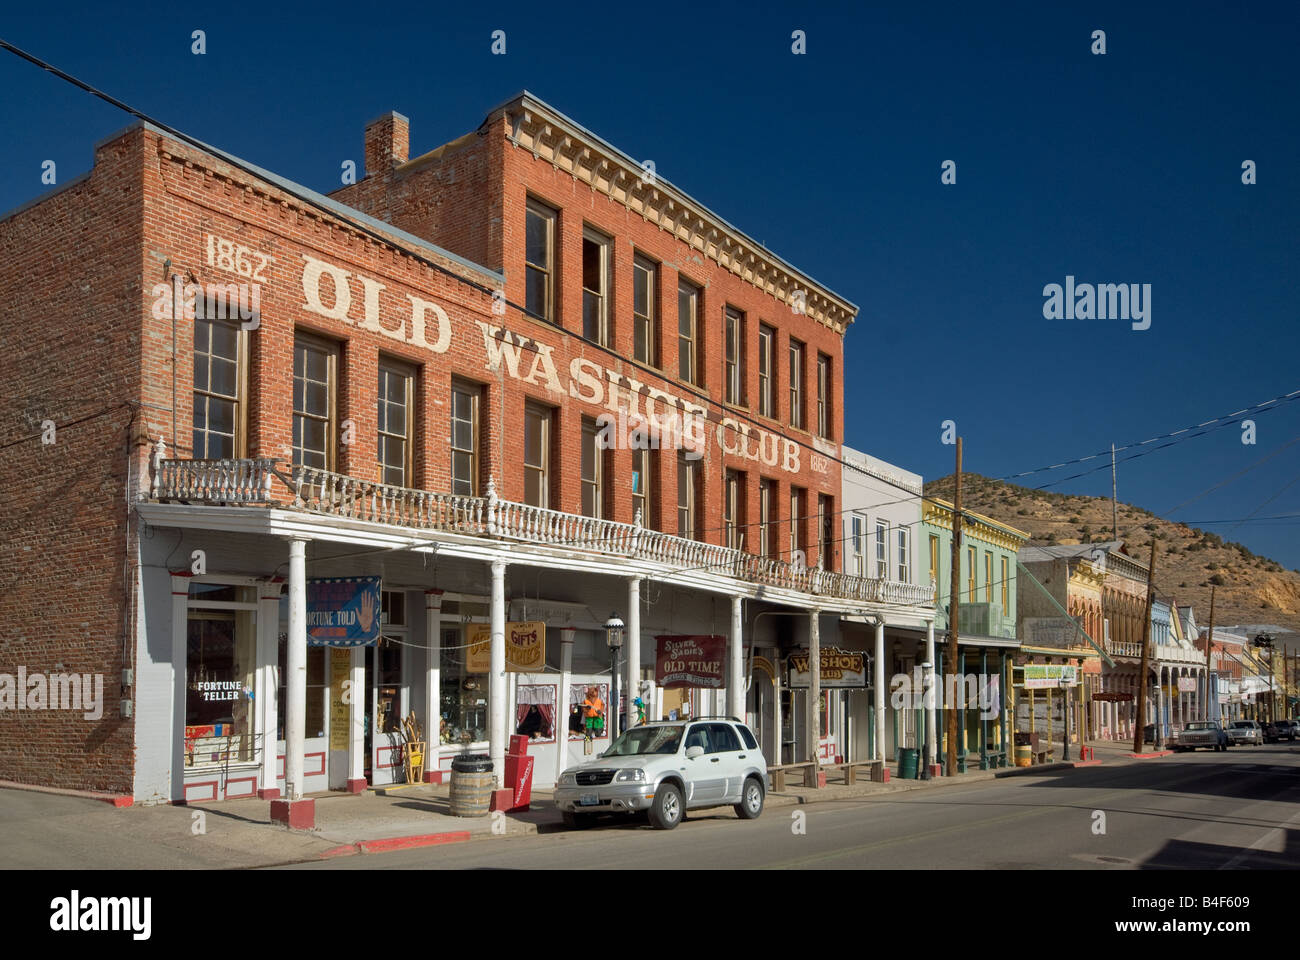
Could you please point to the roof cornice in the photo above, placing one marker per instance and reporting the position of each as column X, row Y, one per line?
column 556, row 139
column 939, row 513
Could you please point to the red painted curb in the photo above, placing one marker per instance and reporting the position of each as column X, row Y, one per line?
column 1150, row 756
column 405, row 843
column 1087, row 763
column 344, row 851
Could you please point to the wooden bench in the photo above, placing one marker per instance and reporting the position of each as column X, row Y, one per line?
column 777, row 773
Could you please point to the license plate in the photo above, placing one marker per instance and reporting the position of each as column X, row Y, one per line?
column 588, row 800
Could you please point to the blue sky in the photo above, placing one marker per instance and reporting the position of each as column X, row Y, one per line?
column 1122, row 168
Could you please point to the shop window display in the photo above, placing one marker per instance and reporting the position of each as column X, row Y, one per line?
column 535, row 712
column 464, row 695
column 317, row 681
column 220, row 671
column 595, row 696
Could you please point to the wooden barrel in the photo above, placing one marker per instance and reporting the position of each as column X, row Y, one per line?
column 471, row 785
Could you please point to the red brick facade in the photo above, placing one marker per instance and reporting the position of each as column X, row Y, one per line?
column 87, row 347
column 469, row 196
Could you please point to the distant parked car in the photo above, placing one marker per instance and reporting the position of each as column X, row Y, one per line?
column 1245, row 731
column 1201, row 733
column 1289, row 729
column 1278, row 730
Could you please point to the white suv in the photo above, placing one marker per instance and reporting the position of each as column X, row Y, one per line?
column 666, row 768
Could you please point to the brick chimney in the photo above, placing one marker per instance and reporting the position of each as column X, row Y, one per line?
column 388, row 142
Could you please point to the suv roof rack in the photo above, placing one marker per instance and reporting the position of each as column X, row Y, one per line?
column 715, row 717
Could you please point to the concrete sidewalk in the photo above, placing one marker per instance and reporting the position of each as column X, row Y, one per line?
column 49, row 830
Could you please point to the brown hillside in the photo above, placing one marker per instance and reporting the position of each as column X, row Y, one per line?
column 1251, row 589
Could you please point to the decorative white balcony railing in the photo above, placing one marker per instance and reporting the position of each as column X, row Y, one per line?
column 1176, row 653
column 1117, row 648
column 337, row 495
column 1166, row 652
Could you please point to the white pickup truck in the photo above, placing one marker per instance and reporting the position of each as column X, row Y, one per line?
column 1201, row 733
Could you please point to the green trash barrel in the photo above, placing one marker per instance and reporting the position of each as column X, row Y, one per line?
column 908, row 763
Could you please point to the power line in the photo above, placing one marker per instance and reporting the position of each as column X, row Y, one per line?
column 1210, row 425
column 707, row 401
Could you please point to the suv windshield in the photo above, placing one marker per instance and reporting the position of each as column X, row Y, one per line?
column 1201, row 725
column 642, row 740
column 1242, row 724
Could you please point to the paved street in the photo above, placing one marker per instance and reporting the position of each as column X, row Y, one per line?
column 1204, row 810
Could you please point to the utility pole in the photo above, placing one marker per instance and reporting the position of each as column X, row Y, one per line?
column 1209, row 645
column 1142, row 670
column 1114, row 509
column 1272, row 713
column 952, row 660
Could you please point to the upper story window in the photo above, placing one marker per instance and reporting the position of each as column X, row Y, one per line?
column 396, row 403
column 824, row 413
column 645, row 284
column 882, row 550
column 315, row 379
column 826, row 526
column 220, row 369
column 539, row 260
column 596, row 286
column 970, row 574
column 796, row 520
column 537, row 455
column 988, row 577
column 1006, row 588
column 734, row 335
column 858, row 537
column 796, row 384
column 688, row 304
column 593, row 470
column 641, row 494
column 934, row 564
column 766, row 506
column 766, row 375
column 464, row 438
column 733, row 508
column 904, row 562
column 686, row 488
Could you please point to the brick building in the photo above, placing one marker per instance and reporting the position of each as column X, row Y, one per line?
column 433, row 388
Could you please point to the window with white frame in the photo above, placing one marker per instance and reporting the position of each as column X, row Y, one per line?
column 596, row 249
column 882, row 550
column 539, row 260
column 537, row 455
column 645, row 286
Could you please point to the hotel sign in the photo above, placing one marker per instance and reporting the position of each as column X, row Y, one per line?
column 353, row 298
column 839, row 668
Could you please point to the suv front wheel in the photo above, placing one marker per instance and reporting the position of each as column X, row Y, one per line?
column 666, row 811
column 751, row 800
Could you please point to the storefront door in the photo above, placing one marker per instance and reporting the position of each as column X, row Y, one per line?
column 388, row 698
